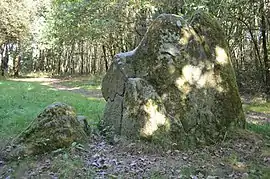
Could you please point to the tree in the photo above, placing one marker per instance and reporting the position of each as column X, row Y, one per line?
column 81, row 36
column 14, row 26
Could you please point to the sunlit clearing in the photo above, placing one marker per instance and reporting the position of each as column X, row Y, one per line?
column 155, row 119
column 1, row 83
column 221, row 55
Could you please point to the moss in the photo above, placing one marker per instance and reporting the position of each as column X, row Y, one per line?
column 56, row 127
column 144, row 112
column 184, row 67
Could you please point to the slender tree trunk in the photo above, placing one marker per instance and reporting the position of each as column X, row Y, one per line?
column 2, row 59
column 41, row 60
column 89, row 66
column 71, row 56
column 82, row 57
column 18, row 66
column 105, row 58
column 5, row 59
column 257, row 49
column 265, row 51
column 66, row 60
column 94, row 65
column 17, row 61
column 59, row 63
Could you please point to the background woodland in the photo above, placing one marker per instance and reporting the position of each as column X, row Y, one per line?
column 68, row 37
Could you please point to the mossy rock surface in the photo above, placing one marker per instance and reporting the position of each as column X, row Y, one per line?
column 182, row 71
column 57, row 126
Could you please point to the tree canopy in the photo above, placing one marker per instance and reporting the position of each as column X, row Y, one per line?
column 82, row 36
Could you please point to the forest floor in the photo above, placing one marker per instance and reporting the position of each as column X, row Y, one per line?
column 245, row 154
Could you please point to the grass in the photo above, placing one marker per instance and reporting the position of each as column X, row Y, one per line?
column 22, row 101
column 261, row 107
column 260, row 129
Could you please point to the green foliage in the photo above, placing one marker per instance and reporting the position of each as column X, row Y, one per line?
column 62, row 36
column 14, row 21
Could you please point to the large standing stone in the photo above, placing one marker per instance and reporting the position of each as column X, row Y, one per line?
column 177, row 86
column 55, row 127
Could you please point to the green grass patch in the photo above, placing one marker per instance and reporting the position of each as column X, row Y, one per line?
column 22, row 101
column 259, row 107
column 263, row 129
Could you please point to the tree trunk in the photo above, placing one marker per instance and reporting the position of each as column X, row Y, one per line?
column 265, row 51
column 257, row 49
column 41, row 60
column 4, row 60
column 105, row 58
column 94, row 66
column 17, row 61
column 17, row 65
column 82, row 57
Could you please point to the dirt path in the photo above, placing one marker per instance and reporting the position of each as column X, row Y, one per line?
column 253, row 116
column 56, row 84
